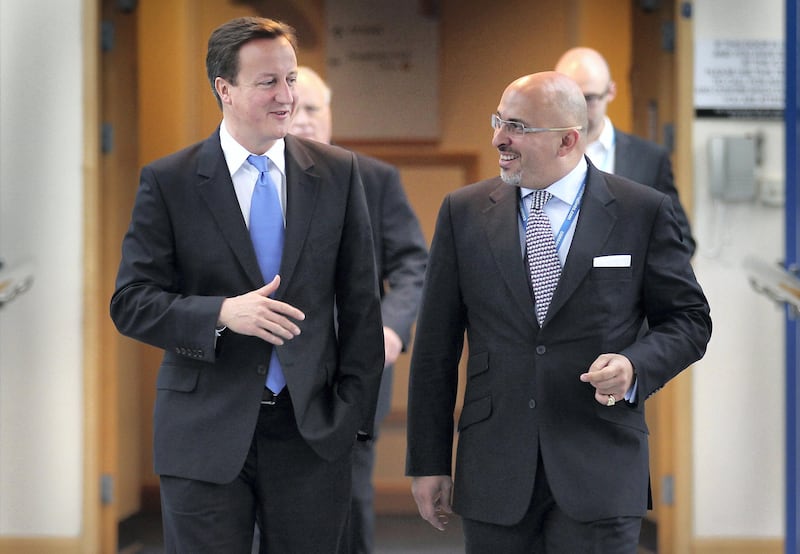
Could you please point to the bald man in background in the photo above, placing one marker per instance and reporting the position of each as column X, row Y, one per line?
column 610, row 149
column 401, row 256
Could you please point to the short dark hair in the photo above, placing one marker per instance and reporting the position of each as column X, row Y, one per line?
column 222, row 58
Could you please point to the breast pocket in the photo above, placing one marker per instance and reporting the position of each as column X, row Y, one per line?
column 611, row 290
column 611, row 273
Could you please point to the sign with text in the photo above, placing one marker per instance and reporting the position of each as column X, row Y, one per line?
column 739, row 78
column 383, row 68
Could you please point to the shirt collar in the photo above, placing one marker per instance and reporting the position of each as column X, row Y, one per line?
column 606, row 137
column 236, row 154
column 566, row 188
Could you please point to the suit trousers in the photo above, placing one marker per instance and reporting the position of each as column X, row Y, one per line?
column 545, row 529
column 300, row 500
column 361, row 526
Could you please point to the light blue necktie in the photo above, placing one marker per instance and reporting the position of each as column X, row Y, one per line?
column 266, row 232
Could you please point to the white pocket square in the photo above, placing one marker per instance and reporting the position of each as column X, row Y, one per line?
column 619, row 260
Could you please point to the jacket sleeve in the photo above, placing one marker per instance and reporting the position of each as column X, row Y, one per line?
column 404, row 256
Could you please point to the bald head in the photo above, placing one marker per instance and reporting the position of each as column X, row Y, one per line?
column 559, row 100
column 312, row 118
column 554, row 104
column 583, row 64
column 590, row 70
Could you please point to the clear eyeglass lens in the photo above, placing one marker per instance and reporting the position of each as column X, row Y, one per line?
column 512, row 127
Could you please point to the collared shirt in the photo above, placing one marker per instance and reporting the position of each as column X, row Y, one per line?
column 565, row 192
column 602, row 151
column 244, row 175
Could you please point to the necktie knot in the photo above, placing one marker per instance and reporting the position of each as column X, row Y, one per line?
column 261, row 163
column 539, row 199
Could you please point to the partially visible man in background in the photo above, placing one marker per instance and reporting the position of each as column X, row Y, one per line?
column 610, row 149
column 401, row 256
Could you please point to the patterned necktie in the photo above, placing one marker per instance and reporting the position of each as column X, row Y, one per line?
column 543, row 260
column 266, row 232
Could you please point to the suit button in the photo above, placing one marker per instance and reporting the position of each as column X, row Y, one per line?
column 261, row 369
column 541, row 349
column 531, row 403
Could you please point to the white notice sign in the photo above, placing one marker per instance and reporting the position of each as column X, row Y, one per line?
column 739, row 78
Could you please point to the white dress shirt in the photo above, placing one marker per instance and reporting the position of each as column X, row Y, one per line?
column 603, row 150
column 244, row 175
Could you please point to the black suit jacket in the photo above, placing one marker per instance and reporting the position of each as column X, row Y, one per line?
column 188, row 248
column 523, row 397
column 648, row 163
column 401, row 255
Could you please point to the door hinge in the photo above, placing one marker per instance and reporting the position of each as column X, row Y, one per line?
column 127, row 6
column 106, row 138
column 668, row 490
column 106, row 35
column 106, row 489
column 668, row 36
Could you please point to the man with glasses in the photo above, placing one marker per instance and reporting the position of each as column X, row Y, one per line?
column 549, row 271
column 610, row 149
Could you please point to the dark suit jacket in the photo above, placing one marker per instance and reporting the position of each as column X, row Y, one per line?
column 188, row 248
column 401, row 255
column 523, row 396
column 648, row 163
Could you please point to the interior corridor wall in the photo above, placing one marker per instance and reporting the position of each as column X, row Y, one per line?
column 738, row 387
column 41, row 221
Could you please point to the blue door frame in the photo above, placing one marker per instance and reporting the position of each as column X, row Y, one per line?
column 792, row 261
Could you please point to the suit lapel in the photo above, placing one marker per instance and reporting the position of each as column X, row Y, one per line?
column 216, row 189
column 302, row 190
column 623, row 164
column 596, row 219
column 501, row 218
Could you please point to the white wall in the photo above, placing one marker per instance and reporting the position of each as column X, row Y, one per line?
column 738, row 397
column 41, row 203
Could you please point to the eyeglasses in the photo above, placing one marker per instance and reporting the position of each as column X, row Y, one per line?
column 594, row 98
column 518, row 128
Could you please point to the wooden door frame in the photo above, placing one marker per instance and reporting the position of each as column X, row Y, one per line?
column 93, row 513
column 106, row 208
column 681, row 395
column 671, row 409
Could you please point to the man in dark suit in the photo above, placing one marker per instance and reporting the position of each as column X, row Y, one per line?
column 232, row 442
column 552, row 448
column 610, row 149
column 401, row 255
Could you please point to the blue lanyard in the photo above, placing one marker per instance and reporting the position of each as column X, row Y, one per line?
column 566, row 224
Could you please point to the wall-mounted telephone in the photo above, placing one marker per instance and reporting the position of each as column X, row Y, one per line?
column 732, row 162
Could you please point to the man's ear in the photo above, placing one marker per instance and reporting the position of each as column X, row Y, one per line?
column 569, row 140
column 223, row 89
column 611, row 93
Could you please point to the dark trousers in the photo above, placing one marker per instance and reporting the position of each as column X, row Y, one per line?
column 545, row 529
column 361, row 528
column 300, row 500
